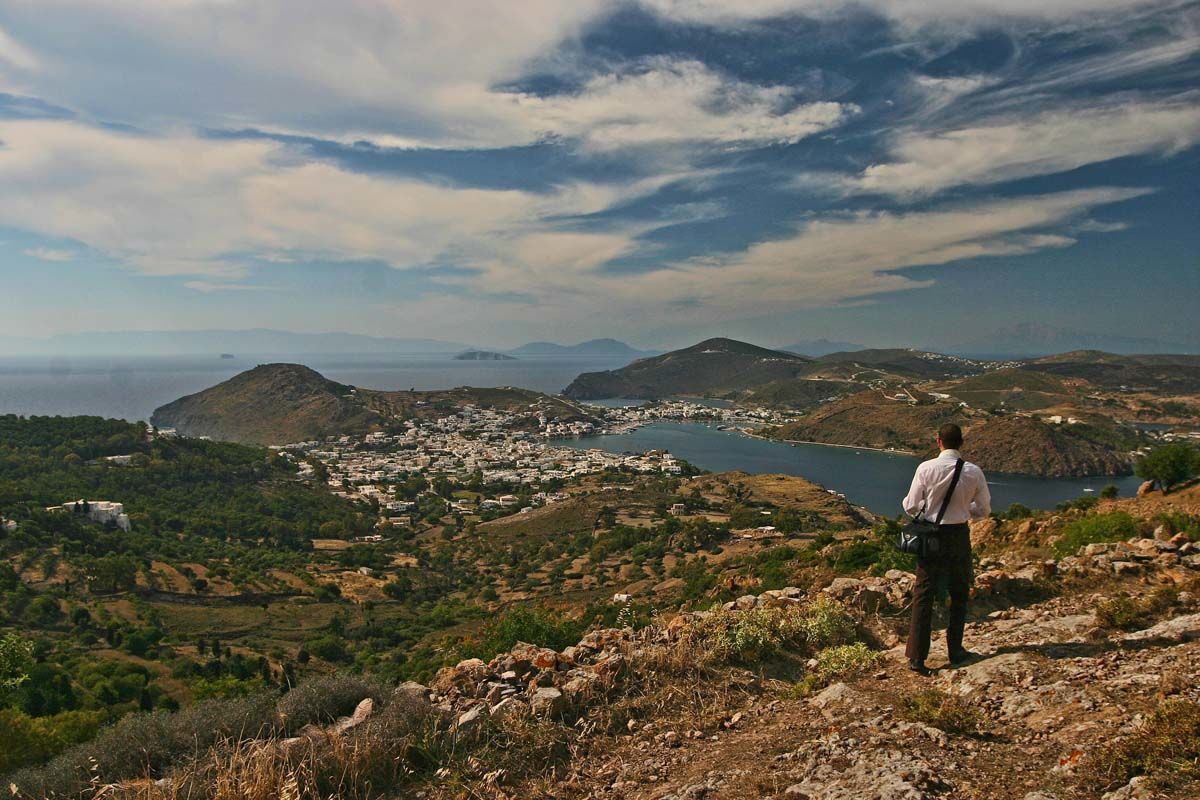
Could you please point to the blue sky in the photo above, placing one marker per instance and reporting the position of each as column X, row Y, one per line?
column 887, row 171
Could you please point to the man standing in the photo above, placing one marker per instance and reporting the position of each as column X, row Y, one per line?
column 970, row 500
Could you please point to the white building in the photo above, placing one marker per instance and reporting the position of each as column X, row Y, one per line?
column 102, row 511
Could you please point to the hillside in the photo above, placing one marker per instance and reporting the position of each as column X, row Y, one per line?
column 1156, row 373
column 1017, row 389
column 1032, row 447
column 285, row 403
column 270, row 404
column 907, row 363
column 712, row 367
column 871, row 419
column 781, row 676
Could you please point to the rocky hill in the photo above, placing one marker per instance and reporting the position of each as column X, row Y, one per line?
column 270, row 404
column 1032, row 447
column 872, row 419
column 285, row 403
column 712, row 367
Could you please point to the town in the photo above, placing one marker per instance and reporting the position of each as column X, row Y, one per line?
column 500, row 448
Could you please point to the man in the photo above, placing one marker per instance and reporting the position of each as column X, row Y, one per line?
column 970, row 500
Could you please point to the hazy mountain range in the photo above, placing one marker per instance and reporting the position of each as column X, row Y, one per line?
column 1030, row 339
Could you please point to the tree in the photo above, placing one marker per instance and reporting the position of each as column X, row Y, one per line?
column 15, row 656
column 1169, row 465
column 1110, row 492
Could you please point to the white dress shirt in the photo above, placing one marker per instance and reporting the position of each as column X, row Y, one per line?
column 971, row 498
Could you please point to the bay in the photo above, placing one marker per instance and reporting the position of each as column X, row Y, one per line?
column 870, row 478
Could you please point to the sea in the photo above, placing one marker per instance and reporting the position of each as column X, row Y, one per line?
column 132, row 387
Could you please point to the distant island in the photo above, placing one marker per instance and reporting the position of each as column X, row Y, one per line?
column 483, row 355
column 227, row 355
column 592, row 347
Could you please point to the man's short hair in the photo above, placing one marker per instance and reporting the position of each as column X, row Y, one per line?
column 951, row 435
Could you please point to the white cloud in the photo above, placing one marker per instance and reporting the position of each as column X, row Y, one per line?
column 853, row 256
column 1045, row 143
column 669, row 102
column 398, row 74
column 916, row 11
column 49, row 254
column 184, row 205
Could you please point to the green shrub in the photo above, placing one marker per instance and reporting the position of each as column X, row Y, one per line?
column 947, row 712
column 1085, row 503
column 329, row 647
column 539, row 626
column 1113, row 527
column 1129, row 614
column 1018, row 511
column 762, row 633
column 845, row 661
column 1165, row 747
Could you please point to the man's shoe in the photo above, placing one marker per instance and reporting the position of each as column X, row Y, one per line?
column 918, row 667
column 960, row 657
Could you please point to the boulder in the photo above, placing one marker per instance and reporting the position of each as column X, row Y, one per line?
column 413, row 693
column 1146, row 488
column 1179, row 629
column 548, row 702
column 363, row 710
column 984, row 532
column 508, row 708
column 471, row 720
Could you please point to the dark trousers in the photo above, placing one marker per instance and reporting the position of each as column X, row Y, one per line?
column 951, row 568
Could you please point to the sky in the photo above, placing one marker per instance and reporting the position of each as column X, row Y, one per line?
column 885, row 172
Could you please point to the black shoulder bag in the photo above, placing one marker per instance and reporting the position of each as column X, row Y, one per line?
column 919, row 536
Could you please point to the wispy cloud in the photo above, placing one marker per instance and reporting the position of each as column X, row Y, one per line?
column 49, row 254
column 1048, row 142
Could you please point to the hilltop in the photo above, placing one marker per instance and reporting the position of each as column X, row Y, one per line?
column 712, row 367
column 270, row 404
column 283, row 403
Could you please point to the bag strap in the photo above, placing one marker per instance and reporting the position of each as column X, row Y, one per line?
column 953, row 484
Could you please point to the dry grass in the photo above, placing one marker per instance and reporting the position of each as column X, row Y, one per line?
column 1166, row 748
column 943, row 711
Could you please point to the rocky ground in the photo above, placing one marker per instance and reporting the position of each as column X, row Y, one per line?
column 1051, row 687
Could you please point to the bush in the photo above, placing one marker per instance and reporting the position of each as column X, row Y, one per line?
column 144, row 744
column 1018, row 511
column 321, row 700
column 759, row 634
column 1129, row 614
column 329, row 647
column 845, row 661
column 538, row 626
column 1114, row 527
column 1166, row 747
column 943, row 711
